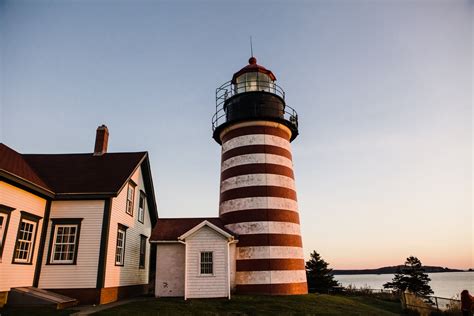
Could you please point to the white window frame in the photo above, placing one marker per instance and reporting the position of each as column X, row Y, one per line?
column 30, row 242
column 201, row 263
column 141, row 209
column 55, row 243
column 130, row 199
column 3, row 225
column 5, row 213
column 120, row 249
column 142, row 251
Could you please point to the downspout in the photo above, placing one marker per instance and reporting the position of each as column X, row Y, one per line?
column 231, row 241
column 185, row 269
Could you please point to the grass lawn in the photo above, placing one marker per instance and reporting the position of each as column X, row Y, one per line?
column 311, row 304
column 33, row 311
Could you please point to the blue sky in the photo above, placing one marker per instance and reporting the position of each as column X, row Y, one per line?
column 383, row 89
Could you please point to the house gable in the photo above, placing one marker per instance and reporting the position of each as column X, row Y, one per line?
column 208, row 224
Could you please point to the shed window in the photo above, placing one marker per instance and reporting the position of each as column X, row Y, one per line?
column 206, row 262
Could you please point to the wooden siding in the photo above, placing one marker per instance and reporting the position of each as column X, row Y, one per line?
column 199, row 286
column 84, row 273
column 170, row 270
column 16, row 275
column 129, row 273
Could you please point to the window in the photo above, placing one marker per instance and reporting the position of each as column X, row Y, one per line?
column 25, row 240
column 4, row 220
column 206, row 262
column 120, row 249
column 64, row 242
column 141, row 207
column 141, row 263
column 130, row 196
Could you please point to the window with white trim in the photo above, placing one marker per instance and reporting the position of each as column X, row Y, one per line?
column 130, row 197
column 25, row 241
column 120, row 248
column 141, row 207
column 206, row 263
column 4, row 220
column 64, row 244
column 64, row 240
column 141, row 262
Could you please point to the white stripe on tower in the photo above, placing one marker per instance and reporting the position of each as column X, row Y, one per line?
column 258, row 139
column 262, row 227
column 256, row 158
column 249, row 180
column 258, row 203
column 265, row 252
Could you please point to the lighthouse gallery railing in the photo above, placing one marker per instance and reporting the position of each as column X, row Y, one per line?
column 228, row 90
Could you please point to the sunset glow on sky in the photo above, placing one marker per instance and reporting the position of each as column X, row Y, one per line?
column 383, row 89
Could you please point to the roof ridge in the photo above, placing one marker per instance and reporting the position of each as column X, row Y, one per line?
column 91, row 153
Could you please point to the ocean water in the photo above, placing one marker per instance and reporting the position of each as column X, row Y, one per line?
column 444, row 284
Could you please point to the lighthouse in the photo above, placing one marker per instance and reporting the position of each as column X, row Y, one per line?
column 255, row 128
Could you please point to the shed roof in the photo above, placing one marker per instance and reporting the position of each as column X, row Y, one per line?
column 169, row 229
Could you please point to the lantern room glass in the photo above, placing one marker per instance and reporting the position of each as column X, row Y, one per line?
column 254, row 81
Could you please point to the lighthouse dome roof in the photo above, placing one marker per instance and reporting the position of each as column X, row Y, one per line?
column 253, row 67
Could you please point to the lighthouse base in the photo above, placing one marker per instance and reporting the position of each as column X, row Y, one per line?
column 273, row 289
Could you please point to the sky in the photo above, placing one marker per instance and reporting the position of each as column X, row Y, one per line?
column 383, row 90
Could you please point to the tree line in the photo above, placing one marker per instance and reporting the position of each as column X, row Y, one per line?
column 411, row 276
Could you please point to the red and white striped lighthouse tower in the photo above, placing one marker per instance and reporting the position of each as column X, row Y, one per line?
column 258, row 196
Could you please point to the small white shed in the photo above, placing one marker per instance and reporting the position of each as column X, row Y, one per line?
column 195, row 258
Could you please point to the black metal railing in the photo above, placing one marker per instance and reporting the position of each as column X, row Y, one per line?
column 228, row 90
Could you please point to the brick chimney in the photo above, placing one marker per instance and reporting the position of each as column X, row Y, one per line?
column 101, row 140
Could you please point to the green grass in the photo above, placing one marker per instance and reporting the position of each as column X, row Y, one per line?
column 33, row 311
column 311, row 304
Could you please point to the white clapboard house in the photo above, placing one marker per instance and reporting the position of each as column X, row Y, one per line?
column 76, row 224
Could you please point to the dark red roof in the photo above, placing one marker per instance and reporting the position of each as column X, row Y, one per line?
column 253, row 67
column 72, row 173
column 85, row 173
column 13, row 163
column 169, row 229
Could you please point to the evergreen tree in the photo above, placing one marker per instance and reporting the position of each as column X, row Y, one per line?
column 320, row 278
column 412, row 277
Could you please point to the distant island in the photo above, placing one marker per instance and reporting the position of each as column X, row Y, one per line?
column 393, row 269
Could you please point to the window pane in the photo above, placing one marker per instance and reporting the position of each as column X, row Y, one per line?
column 119, row 253
column 64, row 244
column 24, row 241
column 2, row 217
column 206, row 262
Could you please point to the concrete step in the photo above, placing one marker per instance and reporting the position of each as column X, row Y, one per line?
column 33, row 296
